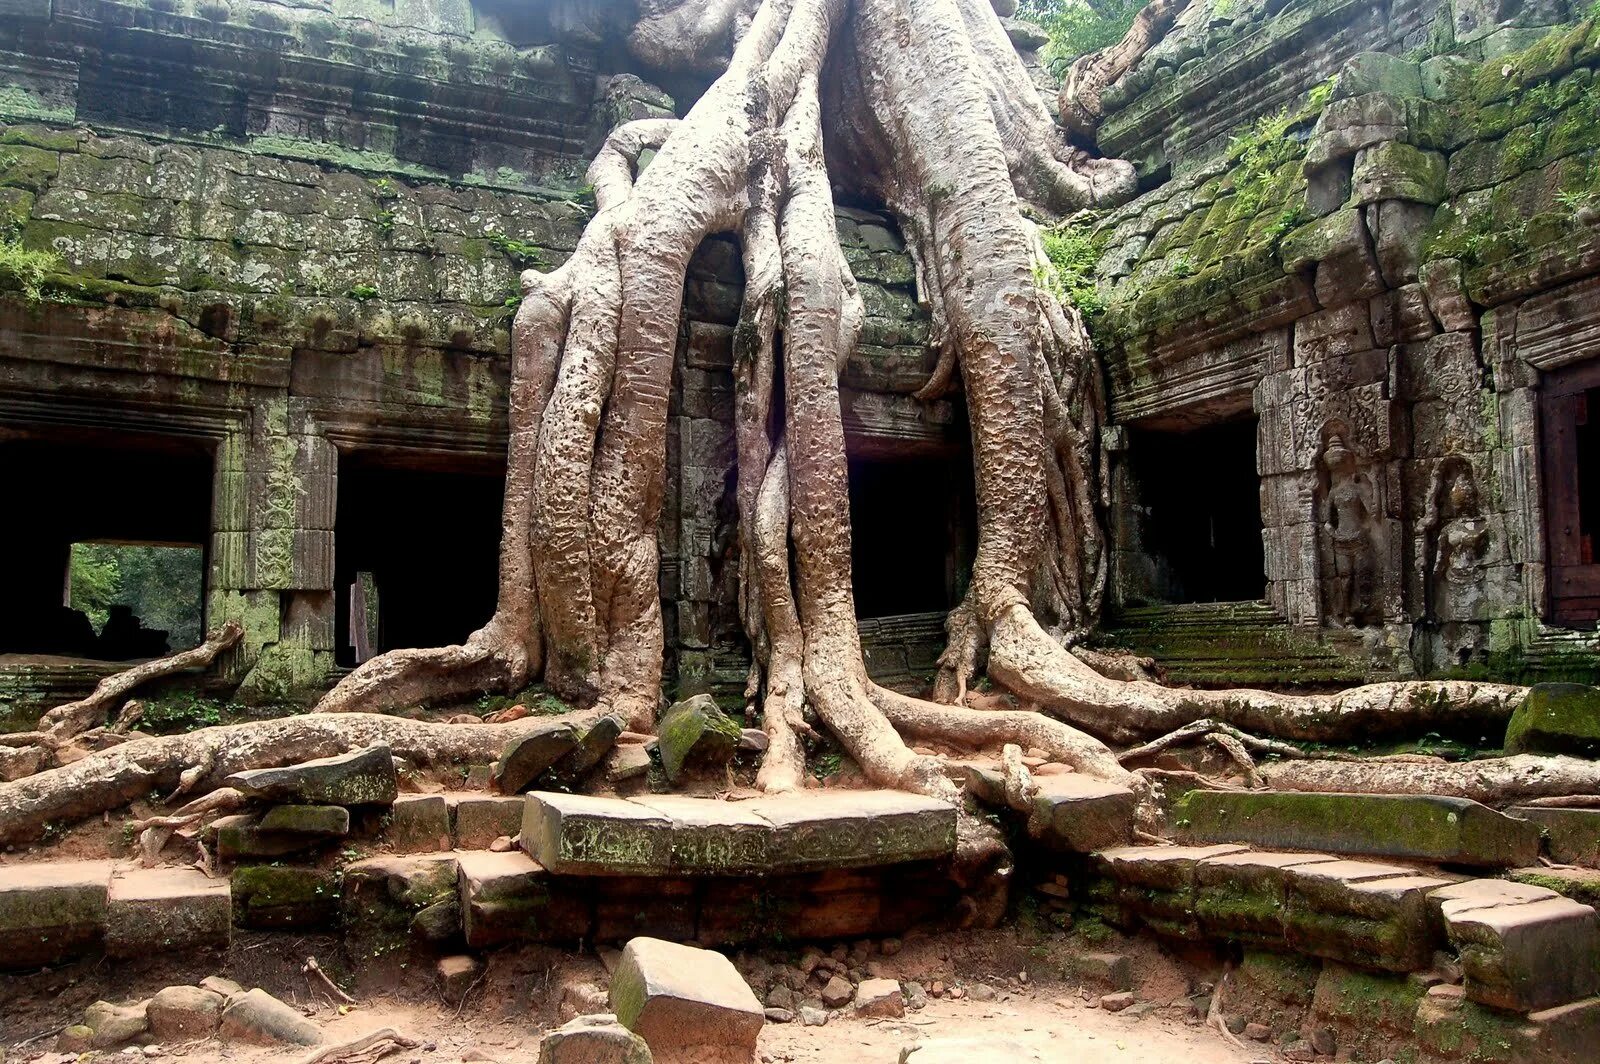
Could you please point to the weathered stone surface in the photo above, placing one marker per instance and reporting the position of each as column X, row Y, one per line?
column 382, row 896
column 457, row 974
column 572, row 834
column 285, row 897
column 855, row 829
column 690, row 1005
column 529, row 757
column 1150, row 885
column 695, row 736
column 1076, row 814
column 1113, row 971
column 1244, row 896
column 114, row 1024
column 592, row 747
column 365, row 777
column 51, row 912
column 1572, row 836
column 326, row 821
column 179, row 1013
column 419, row 823
column 1556, row 718
column 597, row 1039
column 711, row 837
column 480, row 819
column 507, row 897
column 1420, row 827
column 1522, row 947
column 1362, row 913
column 261, row 1019
column 165, row 910
column 241, row 837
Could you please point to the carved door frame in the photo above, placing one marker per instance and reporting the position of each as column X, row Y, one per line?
column 1572, row 563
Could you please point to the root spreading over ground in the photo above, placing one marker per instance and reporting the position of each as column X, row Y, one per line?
column 922, row 106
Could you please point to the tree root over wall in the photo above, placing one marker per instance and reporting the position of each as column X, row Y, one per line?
column 924, row 106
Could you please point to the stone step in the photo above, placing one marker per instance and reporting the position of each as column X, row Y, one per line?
column 1523, row 947
column 669, row 835
column 56, row 911
column 1438, row 830
column 1571, row 836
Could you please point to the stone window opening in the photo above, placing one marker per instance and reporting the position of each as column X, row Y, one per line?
column 913, row 530
column 1570, row 463
column 108, row 546
column 416, row 549
column 1199, row 503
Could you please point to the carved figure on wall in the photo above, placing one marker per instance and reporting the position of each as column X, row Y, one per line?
column 1456, row 538
column 1349, row 511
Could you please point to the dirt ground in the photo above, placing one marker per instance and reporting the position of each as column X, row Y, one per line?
column 524, row 992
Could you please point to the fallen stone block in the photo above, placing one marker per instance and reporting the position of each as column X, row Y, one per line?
column 507, row 897
column 418, row 823
column 179, row 1013
column 220, row 985
column 165, row 910
column 457, row 975
column 480, row 819
column 597, row 1039
column 1073, row 813
column 112, row 1025
column 381, row 897
column 627, row 764
column 325, row 821
column 582, row 759
column 1572, row 836
column 526, row 759
column 365, row 777
column 1556, row 718
column 854, row 829
column 241, row 837
column 1362, row 913
column 573, row 834
column 51, row 912
column 285, row 898
column 1113, row 971
column 1416, row 827
column 259, row 1018
column 689, row 1005
column 880, row 997
column 1522, row 947
column 695, row 737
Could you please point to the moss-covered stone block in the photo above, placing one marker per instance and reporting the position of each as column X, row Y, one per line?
column 572, row 834
column 1417, row 827
column 365, row 777
column 1571, row 836
column 1556, row 718
column 507, row 897
column 418, row 823
column 526, row 759
column 695, row 736
column 277, row 897
column 380, row 897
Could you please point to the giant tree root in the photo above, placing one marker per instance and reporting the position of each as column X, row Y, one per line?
column 115, row 777
column 74, row 718
column 1492, row 781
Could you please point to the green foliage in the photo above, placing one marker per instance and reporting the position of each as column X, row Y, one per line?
column 386, row 222
column 1073, row 252
column 22, row 270
column 522, row 255
column 185, row 712
column 1078, row 27
column 1257, row 155
column 1183, row 266
column 1319, row 96
column 162, row 585
column 363, row 292
column 385, row 189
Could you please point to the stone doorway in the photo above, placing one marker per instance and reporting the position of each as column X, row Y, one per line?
column 1569, row 409
column 106, row 543
column 913, row 530
column 1199, row 501
column 416, row 549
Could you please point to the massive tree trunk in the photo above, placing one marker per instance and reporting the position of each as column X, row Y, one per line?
column 924, row 106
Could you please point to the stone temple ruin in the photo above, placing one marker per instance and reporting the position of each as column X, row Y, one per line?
column 259, row 275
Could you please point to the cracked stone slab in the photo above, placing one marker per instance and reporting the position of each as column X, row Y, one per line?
column 50, row 912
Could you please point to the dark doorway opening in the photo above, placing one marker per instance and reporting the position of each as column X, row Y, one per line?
column 913, row 529
column 1200, row 498
column 1569, row 415
column 104, row 549
column 417, row 550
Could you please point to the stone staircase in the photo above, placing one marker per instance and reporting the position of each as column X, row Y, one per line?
column 818, row 865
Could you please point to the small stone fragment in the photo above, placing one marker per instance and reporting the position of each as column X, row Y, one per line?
column 775, row 1015
column 261, row 1019
column 753, row 740
column 527, row 758
column 596, row 1039
column 837, row 993
column 813, row 1017
column 1116, row 1002
column 880, row 997
column 457, row 975
column 75, row 1039
column 1257, row 1032
column 113, row 1024
column 1299, row 1049
column 590, row 750
column 182, row 1012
